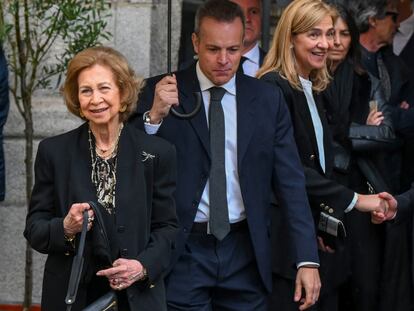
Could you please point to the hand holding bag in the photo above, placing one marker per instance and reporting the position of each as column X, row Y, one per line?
column 107, row 302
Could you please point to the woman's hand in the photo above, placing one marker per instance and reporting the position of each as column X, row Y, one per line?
column 124, row 273
column 375, row 117
column 323, row 247
column 73, row 221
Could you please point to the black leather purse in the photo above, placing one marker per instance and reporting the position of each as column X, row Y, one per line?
column 107, row 302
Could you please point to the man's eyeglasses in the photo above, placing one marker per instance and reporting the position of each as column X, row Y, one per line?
column 394, row 15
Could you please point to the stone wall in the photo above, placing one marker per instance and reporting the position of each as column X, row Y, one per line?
column 139, row 32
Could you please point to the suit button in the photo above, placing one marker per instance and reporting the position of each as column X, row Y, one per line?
column 124, row 252
column 185, row 230
column 312, row 157
column 152, row 286
column 330, row 211
column 121, row 229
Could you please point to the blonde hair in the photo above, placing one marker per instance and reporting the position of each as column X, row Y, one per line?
column 299, row 16
column 128, row 84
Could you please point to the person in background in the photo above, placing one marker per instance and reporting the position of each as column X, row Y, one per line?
column 403, row 42
column 252, row 54
column 130, row 174
column 4, row 110
column 403, row 46
column 236, row 150
column 296, row 62
column 364, row 133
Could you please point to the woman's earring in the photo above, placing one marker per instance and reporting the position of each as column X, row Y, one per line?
column 81, row 114
column 123, row 108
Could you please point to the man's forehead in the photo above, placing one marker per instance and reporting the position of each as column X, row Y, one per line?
column 249, row 3
column 207, row 23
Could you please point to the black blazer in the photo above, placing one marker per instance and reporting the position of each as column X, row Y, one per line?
column 267, row 159
column 324, row 193
column 145, row 211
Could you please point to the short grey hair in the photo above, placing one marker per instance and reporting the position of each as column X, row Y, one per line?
column 362, row 10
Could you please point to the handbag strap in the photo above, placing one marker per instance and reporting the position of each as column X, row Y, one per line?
column 372, row 174
column 77, row 265
column 100, row 222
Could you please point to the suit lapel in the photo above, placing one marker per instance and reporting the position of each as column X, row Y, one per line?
column 327, row 139
column 245, row 116
column 188, row 86
column 262, row 55
column 304, row 112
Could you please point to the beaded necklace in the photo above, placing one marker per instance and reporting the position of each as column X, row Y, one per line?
column 103, row 173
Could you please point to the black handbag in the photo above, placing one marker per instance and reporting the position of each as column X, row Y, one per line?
column 107, row 302
column 369, row 138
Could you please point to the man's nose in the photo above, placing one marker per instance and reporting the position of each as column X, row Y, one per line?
column 222, row 57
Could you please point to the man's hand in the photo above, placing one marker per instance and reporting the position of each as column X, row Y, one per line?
column 308, row 279
column 165, row 96
column 404, row 105
column 371, row 203
column 378, row 217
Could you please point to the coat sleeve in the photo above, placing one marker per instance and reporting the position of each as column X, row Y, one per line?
column 156, row 256
column 289, row 186
column 405, row 205
column 44, row 224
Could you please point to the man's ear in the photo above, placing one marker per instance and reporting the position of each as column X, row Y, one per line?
column 372, row 21
column 196, row 40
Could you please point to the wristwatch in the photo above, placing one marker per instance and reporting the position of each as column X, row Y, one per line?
column 147, row 117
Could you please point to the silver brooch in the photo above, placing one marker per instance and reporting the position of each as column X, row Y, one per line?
column 147, row 156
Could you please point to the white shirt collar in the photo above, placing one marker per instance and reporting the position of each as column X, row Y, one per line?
column 205, row 83
column 305, row 82
column 407, row 26
column 254, row 54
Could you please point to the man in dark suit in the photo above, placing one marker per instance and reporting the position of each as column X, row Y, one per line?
column 403, row 42
column 231, row 271
column 252, row 54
